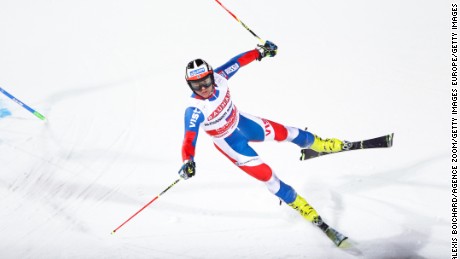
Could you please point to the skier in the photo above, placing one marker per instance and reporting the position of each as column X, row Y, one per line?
column 212, row 109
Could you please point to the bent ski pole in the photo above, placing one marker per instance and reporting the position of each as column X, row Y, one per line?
column 34, row 112
column 241, row 22
column 146, row 205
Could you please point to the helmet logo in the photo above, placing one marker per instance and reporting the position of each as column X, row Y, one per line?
column 197, row 71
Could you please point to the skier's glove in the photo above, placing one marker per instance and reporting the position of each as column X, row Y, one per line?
column 269, row 49
column 187, row 170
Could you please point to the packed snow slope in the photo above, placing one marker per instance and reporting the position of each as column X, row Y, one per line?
column 109, row 77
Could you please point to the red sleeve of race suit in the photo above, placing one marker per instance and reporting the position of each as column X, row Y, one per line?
column 188, row 145
column 228, row 69
column 248, row 57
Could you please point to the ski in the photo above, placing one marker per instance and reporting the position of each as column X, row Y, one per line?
column 379, row 142
column 334, row 235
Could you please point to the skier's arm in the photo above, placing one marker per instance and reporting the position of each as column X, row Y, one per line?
column 230, row 68
column 192, row 120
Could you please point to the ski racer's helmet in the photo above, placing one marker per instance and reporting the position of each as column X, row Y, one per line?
column 199, row 74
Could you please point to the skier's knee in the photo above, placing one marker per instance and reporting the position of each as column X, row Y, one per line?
column 273, row 184
column 280, row 189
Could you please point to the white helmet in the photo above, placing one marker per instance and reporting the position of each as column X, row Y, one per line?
column 199, row 74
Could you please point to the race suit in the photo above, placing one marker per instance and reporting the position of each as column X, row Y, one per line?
column 232, row 130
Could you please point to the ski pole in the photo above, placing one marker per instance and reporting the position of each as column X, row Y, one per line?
column 34, row 112
column 241, row 22
column 146, row 205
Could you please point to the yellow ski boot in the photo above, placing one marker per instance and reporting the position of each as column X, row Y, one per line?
column 302, row 206
column 329, row 145
column 310, row 214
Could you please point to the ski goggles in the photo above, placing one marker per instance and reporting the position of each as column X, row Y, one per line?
column 206, row 82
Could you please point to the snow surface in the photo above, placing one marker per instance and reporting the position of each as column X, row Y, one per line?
column 109, row 77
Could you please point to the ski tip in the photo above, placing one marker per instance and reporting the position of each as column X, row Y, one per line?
column 351, row 247
column 344, row 243
column 390, row 139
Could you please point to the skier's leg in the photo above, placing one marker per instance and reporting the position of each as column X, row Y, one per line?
column 236, row 148
column 242, row 155
column 270, row 130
